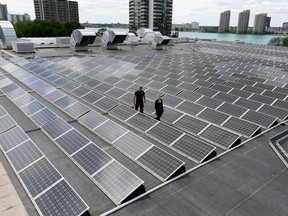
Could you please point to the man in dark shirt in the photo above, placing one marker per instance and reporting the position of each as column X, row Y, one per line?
column 139, row 99
column 159, row 109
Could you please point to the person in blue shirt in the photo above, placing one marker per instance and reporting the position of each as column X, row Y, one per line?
column 159, row 109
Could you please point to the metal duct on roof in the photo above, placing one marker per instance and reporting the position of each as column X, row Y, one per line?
column 81, row 38
column 7, row 34
column 111, row 39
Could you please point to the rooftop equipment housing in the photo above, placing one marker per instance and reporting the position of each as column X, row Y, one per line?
column 146, row 35
column 111, row 39
column 7, row 34
column 160, row 41
column 23, row 46
column 132, row 39
column 81, row 38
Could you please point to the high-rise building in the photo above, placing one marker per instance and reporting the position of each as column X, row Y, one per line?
column 259, row 23
column 267, row 22
column 224, row 21
column 285, row 26
column 19, row 17
column 153, row 14
column 3, row 12
column 243, row 21
column 62, row 10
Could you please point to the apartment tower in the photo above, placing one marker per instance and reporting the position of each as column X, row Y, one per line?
column 259, row 23
column 243, row 21
column 3, row 12
column 153, row 14
column 224, row 21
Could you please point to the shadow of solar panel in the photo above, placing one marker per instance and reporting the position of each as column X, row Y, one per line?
column 65, row 201
column 141, row 122
column 232, row 109
column 164, row 133
column 70, row 86
column 162, row 164
column 220, row 137
column 72, row 141
column 110, row 130
column 261, row 119
column 92, row 158
column 229, row 98
column 132, row 145
column 115, row 92
column 105, row 104
column 242, row 127
column 190, row 108
column 195, row 149
column 190, row 124
column 32, row 108
column 279, row 113
column 64, row 102
column 56, row 128
column 209, row 102
column 189, row 96
column 25, row 99
column 248, row 104
column 6, row 123
column 55, row 95
column 12, row 138
column 92, row 119
column 76, row 110
column 122, row 112
column 23, row 155
column 80, row 91
column 169, row 89
column 42, row 117
column 39, row 176
column 118, row 182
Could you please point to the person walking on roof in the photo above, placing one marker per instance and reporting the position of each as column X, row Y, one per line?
column 139, row 99
column 159, row 109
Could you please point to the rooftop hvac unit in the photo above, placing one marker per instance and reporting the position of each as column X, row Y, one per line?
column 112, row 39
column 147, row 35
column 132, row 39
column 62, row 40
column 23, row 46
column 7, row 34
column 160, row 41
column 81, row 38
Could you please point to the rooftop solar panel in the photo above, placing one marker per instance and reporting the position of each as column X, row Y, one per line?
column 33, row 107
column 189, row 96
column 169, row 89
column 105, row 104
column 190, row 108
column 141, row 122
column 231, row 109
column 170, row 115
column 248, row 104
column 92, row 83
column 282, row 114
column 42, row 117
column 209, row 102
column 80, row 91
column 56, row 128
column 190, row 124
column 229, row 98
column 70, row 86
column 281, row 104
column 64, row 102
column 261, row 119
column 6, row 123
column 122, row 112
column 115, row 92
column 262, row 99
column 92, row 119
column 76, row 110
column 55, row 95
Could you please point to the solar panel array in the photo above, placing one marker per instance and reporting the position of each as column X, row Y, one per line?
column 37, row 174
column 79, row 149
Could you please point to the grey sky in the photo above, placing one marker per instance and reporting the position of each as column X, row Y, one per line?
column 206, row 12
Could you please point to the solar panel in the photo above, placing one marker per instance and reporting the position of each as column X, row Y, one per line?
column 229, row 98
column 173, row 82
column 188, row 86
column 122, row 112
column 172, row 90
column 112, row 80
column 12, row 95
column 274, row 94
column 171, row 101
column 209, row 102
column 2, row 111
column 124, row 84
column 6, row 123
column 132, row 145
column 141, row 122
column 117, row 181
column 56, row 128
column 110, row 131
column 260, row 119
column 12, row 138
column 105, row 104
column 248, row 104
column 64, row 102
column 190, row 108
column 42, row 88
column 194, row 148
column 32, row 108
column 92, row 83
column 61, row 200
column 30, row 80
column 39, row 176
column 274, row 111
column 232, row 109
column 281, row 104
column 80, row 91
column 153, row 94
column 190, row 124
column 42, row 117
column 23, row 155
column 82, row 79
column 70, row 86
column 72, row 141
column 164, row 133
column 156, row 85
column 103, row 87
column 206, row 91
column 220, row 137
column 92, row 97
column 189, row 96
column 92, row 119
column 55, row 95
column 161, row 164
column 76, row 110
column 92, row 158
column 61, row 82
column 240, row 93
column 127, row 98
column 115, row 92
column 262, row 99
column 25, row 99
column 221, row 88
column 170, row 115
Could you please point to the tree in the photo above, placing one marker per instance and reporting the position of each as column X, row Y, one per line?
column 285, row 42
column 279, row 41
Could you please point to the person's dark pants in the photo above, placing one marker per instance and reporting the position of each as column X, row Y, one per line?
column 141, row 105
column 158, row 114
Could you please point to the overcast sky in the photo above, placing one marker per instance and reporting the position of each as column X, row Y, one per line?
column 206, row 12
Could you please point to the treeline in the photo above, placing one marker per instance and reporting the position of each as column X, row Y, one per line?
column 45, row 28
column 279, row 41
